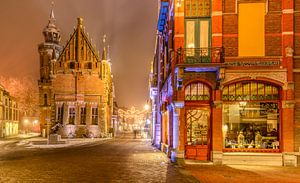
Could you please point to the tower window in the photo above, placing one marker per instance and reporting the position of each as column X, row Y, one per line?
column 45, row 99
column 72, row 65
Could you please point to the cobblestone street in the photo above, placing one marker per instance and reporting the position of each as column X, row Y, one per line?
column 120, row 160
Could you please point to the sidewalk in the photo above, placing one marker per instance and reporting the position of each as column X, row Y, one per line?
column 244, row 173
column 27, row 139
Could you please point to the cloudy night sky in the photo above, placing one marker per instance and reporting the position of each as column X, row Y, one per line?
column 129, row 25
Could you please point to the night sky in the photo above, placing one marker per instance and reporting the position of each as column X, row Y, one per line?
column 129, row 25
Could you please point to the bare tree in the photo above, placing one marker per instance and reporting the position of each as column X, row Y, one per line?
column 25, row 90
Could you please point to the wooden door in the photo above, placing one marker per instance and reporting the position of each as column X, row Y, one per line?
column 197, row 141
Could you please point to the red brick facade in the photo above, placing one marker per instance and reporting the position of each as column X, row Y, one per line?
column 278, row 67
column 75, row 86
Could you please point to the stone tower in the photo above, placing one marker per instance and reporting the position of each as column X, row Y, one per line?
column 49, row 51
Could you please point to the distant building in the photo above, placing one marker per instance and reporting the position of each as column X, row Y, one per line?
column 225, row 81
column 9, row 114
column 75, row 86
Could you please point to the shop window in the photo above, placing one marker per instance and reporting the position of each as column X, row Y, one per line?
column 197, row 91
column 95, row 116
column 251, row 117
column 72, row 115
column 83, row 115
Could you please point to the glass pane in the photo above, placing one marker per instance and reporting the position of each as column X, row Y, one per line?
column 194, row 92
column 225, row 93
column 190, row 37
column 261, row 91
column 206, row 95
column 253, row 91
column 197, row 127
column 187, row 93
column 204, row 32
column 251, row 125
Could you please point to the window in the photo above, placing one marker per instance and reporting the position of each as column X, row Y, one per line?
column 250, row 90
column 197, row 91
column 251, row 117
column 83, row 115
column 251, row 29
column 197, row 126
column 94, row 116
column 197, row 37
column 72, row 115
column 60, row 114
column 45, row 99
column 72, row 65
column 197, row 8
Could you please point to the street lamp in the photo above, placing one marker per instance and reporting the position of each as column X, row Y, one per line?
column 146, row 107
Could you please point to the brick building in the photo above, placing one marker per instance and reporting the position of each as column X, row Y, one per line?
column 224, row 83
column 75, row 86
column 9, row 114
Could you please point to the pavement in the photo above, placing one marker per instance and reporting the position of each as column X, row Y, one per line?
column 123, row 159
column 112, row 160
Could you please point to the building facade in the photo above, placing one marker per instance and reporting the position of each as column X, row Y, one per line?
column 75, row 86
column 225, row 84
column 9, row 115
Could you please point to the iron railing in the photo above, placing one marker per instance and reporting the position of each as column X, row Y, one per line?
column 199, row 55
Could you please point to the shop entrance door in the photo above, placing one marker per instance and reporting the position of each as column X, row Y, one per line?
column 197, row 136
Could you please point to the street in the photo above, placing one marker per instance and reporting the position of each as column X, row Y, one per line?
column 116, row 160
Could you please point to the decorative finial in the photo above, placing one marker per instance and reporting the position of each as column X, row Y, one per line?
column 80, row 22
column 104, row 38
column 52, row 12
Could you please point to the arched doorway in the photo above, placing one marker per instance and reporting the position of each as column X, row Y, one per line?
column 197, row 121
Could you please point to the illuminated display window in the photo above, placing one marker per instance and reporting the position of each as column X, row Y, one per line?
column 251, row 117
column 197, row 91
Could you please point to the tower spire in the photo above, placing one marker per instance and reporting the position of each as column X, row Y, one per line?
column 51, row 32
column 104, row 53
column 52, row 17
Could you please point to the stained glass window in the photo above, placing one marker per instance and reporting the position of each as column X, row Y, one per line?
column 250, row 90
column 197, row 91
column 197, row 8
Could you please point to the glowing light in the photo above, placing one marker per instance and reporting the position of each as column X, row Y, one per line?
column 35, row 122
column 225, row 128
column 178, row 4
column 146, row 107
column 191, row 45
column 26, row 121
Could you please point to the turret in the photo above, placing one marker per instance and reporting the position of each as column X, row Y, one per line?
column 51, row 32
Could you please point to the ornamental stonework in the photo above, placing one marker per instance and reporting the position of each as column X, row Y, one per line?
column 277, row 76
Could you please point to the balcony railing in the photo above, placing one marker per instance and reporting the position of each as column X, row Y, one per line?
column 199, row 55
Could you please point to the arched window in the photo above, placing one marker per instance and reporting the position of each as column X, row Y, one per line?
column 251, row 117
column 250, row 90
column 197, row 91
